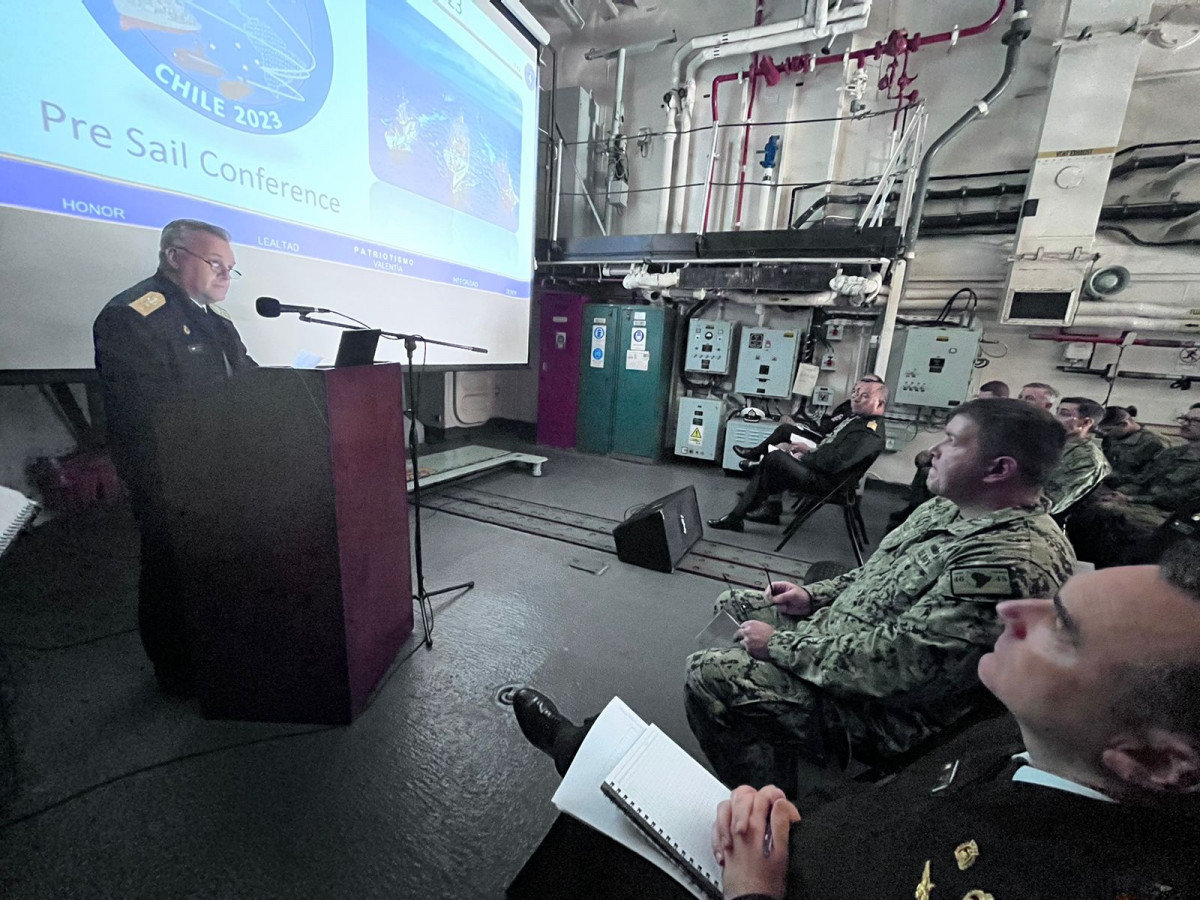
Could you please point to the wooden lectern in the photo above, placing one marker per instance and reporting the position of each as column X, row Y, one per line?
column 286, row 496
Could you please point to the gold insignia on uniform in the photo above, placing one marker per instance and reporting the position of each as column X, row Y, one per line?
column 874, row 426
column 186, row 330
column 966, row 854
column 148, row 303
column 977, row 894
column 925, row 888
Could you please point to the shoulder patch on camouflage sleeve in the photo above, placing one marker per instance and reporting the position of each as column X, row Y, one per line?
column 981, row 581
column 148, row 303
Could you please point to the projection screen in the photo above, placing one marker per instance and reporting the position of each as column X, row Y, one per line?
column 373, row 156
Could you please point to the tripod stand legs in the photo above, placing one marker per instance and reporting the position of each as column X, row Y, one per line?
column 465, row 586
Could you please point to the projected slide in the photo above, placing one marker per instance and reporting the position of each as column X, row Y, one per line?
column 433, row 111
column 381, row 134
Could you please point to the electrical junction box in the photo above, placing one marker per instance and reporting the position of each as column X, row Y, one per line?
column 746, row 434
column 766, row 362
column 698, row 430
column 709, row 347
column 823, row 396
column 936, row 366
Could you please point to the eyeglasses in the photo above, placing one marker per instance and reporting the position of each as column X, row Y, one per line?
column 1186, row 420
column 216, row 265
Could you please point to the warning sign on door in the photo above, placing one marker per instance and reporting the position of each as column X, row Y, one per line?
column 696, row 436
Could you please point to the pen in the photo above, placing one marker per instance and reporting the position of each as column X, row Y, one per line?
column 769, row 837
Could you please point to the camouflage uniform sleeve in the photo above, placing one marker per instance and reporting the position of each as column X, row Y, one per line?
column 938, row 640
column 825, row 592
column 1179, row 485
column 1076, row 474
column 1147, row 449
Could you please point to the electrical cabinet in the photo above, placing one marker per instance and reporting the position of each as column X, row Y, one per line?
column 747, row 434
column 766, row 362
column 698, row 429
column 709, row 347
column 936, row 366
column 625, row 379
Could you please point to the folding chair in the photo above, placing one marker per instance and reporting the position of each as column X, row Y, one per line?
column 845, row 495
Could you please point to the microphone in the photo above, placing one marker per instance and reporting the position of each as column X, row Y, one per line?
column 270, row 308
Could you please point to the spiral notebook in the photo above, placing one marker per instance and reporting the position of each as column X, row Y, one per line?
column 673, row 800
column 16, row 511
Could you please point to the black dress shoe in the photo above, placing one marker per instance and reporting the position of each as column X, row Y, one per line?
column 548, row 729
column 747, row 465
column 727, row 523
column 746, row 452
column 767, row 514
column 539, row 718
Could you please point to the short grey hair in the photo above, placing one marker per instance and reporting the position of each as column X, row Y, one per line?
column 181, row 229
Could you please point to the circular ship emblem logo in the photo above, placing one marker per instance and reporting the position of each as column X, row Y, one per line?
column 254, row 65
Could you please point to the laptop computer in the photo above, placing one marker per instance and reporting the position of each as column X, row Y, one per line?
column 357, row 348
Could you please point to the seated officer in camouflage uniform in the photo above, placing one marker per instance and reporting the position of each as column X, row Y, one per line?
column 1113, row 531
column 1128, row 445
column 1083, row 465
column 884, row 656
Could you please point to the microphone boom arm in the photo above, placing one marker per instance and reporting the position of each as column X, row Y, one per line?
column 394, row 335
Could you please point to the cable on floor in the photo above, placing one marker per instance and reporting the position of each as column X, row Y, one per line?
column 46, row 649
column 83, row 792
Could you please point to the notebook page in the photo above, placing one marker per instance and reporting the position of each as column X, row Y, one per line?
column 675, row 793
column 15, row 511
column 579, row 794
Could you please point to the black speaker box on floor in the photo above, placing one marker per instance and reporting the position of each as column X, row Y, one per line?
column 661, row 532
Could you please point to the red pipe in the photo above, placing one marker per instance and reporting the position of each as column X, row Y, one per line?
column 898, row 42
column 754, row 64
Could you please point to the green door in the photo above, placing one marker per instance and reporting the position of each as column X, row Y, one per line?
column 646, row 345
column 597, row 378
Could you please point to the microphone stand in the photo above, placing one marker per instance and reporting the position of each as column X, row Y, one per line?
column 410, row 345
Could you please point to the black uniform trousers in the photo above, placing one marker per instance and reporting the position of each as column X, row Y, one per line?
column 780, row 471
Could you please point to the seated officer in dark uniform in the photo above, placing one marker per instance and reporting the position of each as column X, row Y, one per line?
column 151, row 339
column 1104, row 802
column 815, row 432
column 817, row 471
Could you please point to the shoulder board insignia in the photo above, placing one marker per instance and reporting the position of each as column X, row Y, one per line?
column 874, row 426
column 148, row 303
column 217, row 311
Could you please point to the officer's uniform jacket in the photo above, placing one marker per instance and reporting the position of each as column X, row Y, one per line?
column 980, row 835
column 851, row 442
column 150, row 340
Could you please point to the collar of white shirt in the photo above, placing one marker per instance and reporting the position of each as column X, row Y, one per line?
column 1030, row 775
